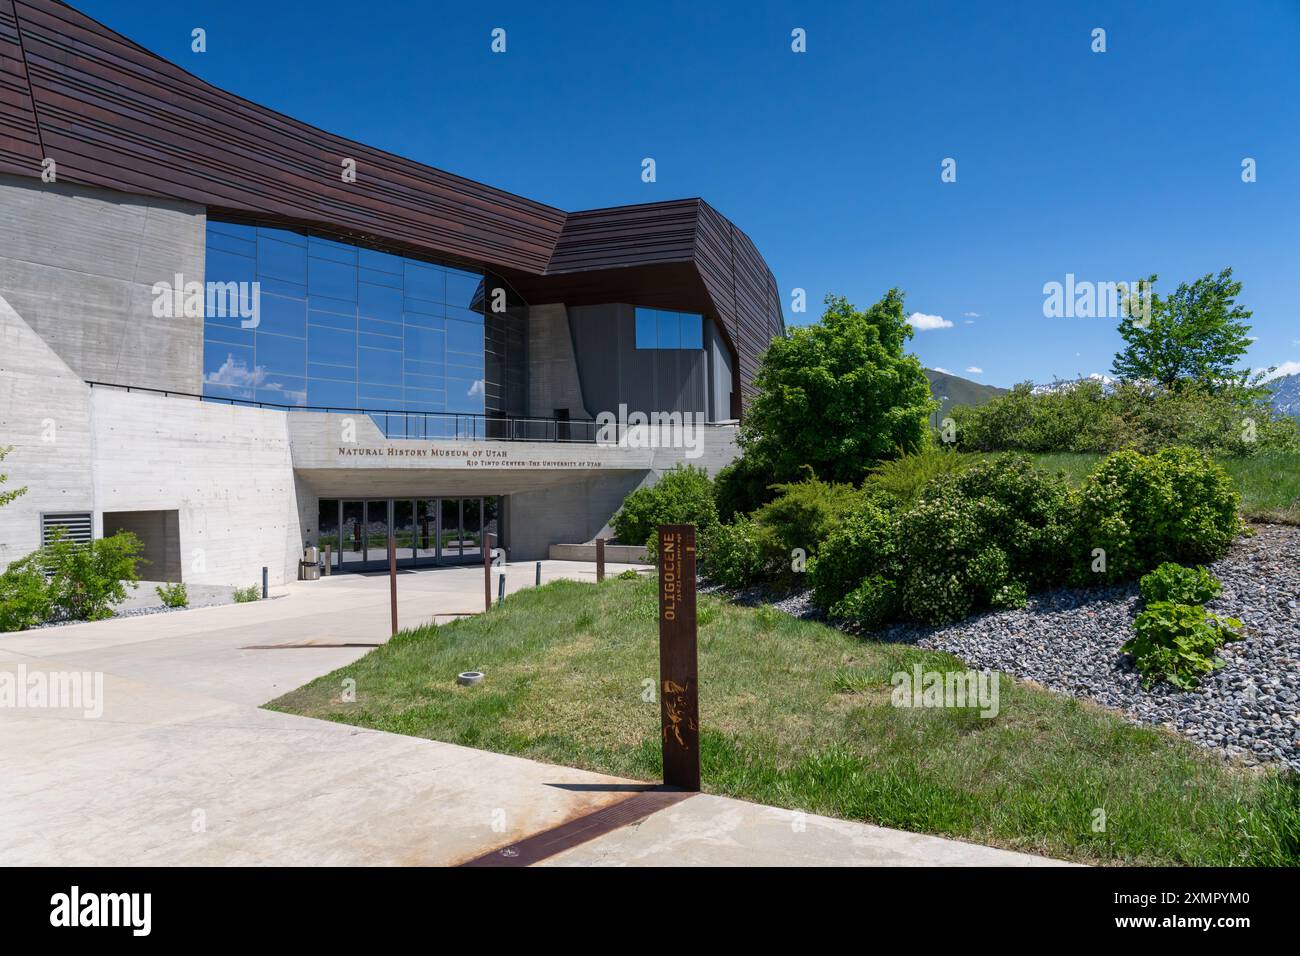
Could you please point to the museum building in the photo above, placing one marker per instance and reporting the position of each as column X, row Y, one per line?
column 236, row 335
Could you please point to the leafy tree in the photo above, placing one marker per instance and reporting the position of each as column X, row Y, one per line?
column 1196, row 334
column 838, row 396
column 8, row 496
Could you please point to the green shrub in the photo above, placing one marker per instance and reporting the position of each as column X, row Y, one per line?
column 1072, row 416
column 1173, row 582
column 173, row 595
column 628, row 575
column 948, row 567
column 1084, row 416
column 1176, row 505
column 88, row 580
column 739, row 554
column 1177, row 642
column 1026, row 512
column 742, row 486
column 1011, row 596
column 872, row 603
column 864, row 544
column 802, row 515
column 25, row 596
column 904, row 478
column 681, row 496
column 246, row 595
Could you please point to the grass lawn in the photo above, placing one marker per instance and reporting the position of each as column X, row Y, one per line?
column 798, row 715
column 1269, row 483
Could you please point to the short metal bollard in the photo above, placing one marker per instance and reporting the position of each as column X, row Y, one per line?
column 265, row 588
column 539, row 574
column 501, row 589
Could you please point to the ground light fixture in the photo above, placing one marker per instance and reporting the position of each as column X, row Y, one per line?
column 469, row 678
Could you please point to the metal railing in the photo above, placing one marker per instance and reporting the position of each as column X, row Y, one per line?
column 448, row 426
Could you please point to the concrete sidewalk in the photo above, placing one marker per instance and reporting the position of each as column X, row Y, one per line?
column 184, row 767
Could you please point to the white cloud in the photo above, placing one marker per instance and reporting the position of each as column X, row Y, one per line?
column 236, row 372
column 969, row 322
column 926, row 323
column 975, row 370
column 1284, row 368
column 970, row 315
column 944, row 370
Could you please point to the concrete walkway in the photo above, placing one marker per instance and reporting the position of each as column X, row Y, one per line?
column 183, row 767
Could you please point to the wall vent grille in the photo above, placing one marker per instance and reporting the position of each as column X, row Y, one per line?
column 77, row 526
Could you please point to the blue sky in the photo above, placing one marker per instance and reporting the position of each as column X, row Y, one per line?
column 1109, row 166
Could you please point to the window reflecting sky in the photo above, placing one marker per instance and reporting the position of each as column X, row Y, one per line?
column 660, row 329
column 342, row 326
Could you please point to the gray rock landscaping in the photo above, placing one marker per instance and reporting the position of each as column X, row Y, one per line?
column 1069, row 640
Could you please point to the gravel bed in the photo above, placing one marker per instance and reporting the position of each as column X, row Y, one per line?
column 1069, row 640
column 145, row 612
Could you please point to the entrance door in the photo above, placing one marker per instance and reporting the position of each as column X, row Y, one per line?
column 449, row 535
column 404, row 529
column 352, row 555
column 426, row 531
column 471, row 529
column 376, row 532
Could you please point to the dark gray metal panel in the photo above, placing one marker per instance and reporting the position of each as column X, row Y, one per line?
column 720, row 374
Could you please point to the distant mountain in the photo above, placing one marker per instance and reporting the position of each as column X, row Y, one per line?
column 954, row 390
column 1286, row 394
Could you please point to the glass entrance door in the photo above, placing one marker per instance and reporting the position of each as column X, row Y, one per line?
column 352, row 555
column 376, row 532
column 426, row 530
column 449, row 530
column 471, row 529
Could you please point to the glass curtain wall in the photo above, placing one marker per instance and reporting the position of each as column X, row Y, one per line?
column 343, row 326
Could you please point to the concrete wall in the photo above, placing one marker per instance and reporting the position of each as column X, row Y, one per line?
column 45, row 418
column 78, row 264
column 552, row 369
column 225, row 470
column 614, row 553
column 577, row 511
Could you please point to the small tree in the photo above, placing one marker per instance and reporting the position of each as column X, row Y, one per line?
column 1196, row 334
column 839, row 396
column 8, row 496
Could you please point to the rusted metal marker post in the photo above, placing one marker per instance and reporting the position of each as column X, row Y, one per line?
column 679, row 703
column 392, row 578
column 600, row 559
column 487, row 572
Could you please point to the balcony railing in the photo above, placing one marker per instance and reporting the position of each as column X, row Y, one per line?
column 447, row 426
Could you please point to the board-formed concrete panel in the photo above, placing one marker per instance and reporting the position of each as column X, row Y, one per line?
column 225, row 469
column 45, row 422
column 79, row 265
